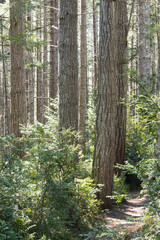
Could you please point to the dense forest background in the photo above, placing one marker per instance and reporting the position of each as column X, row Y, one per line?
column 79, row 116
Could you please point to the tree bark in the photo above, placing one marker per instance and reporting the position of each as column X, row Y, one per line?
column 40, row 109
column 148, row 43
column 158, row 43
column 122, row 82
column 106, row 122
column 142, row 50
column 31, row 77
column 68, row 72
column 5, row 111
column 158, row 87
column 18, row 104
column 53, row 49
column 45, row 64
column 95, row 38
column 83, row 76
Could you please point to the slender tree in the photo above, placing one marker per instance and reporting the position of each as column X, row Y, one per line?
column 68, row 66
column 158, row 42
column 95, row 38
column 53, row 82
column 83, row 76
column 30, row 70
column 18, row 103
column 148, row 41
column 45, row 62
column 141, row 35
column 5, row 114
column 158, row 87
column 40, row 110
column 106, row 122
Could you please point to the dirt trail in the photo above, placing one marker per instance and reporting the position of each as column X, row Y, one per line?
column 127, row 215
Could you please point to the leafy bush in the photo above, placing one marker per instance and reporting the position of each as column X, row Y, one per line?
column 44, row 191
column 120, row 189
column 140, row 156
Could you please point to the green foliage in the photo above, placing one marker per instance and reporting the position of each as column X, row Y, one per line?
column 13, row 221
column 149, row 230
column 142, row 128
column 120, row 189
column 140, row 156
column 149, row 171
column 44, row 191
column 102, row 232
column 90, row 133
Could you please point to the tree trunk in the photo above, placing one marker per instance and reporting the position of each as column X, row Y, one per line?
column 31, row 77
column 83, row 76
column 18, row 104
column 1, row 105
column 105, row 151
column 45, row 64
column 95, row 38
column 158, row 88
column 40, row 110
column 68, row 72
column 142, row 50
column 122, row 82
column 158, row 43
column 133, row 66
column 5, row 123
column 148, row 44
column 53, row 49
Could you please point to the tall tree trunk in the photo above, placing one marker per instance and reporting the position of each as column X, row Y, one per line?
column 142, row 32
column 158, row 42
column 1, row 105
column 18, row 104
column 31, row 77
column 45, row 64
column 158, row 87
column 95, row 38
column 31, row 92
column 68, row 72
column 53, row 49
column 132, row 60
column 148, row 43
column 106, row 122
column 122, row 82
column 40, row 110
column 5, row 89
column 83, row 76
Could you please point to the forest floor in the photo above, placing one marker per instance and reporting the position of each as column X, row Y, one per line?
column 127, row 216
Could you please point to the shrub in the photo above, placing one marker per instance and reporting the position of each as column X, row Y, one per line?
column 45, row 191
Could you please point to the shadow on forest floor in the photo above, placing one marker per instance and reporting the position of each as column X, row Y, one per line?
column 127, row 215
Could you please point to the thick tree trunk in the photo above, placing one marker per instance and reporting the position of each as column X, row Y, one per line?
column 83, row 76
column 122, row 82
column 106, row 122
column 68, row 72
column 18, row 104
